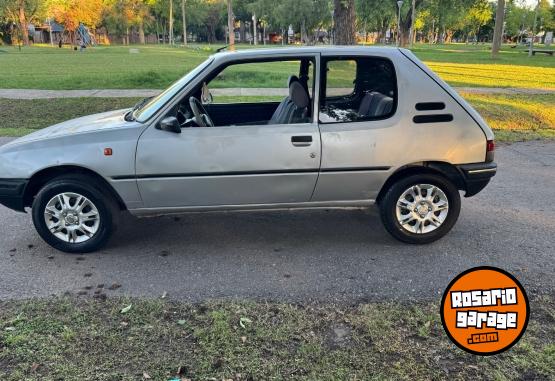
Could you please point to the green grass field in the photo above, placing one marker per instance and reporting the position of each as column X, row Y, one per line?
column 157, row 66
column 88, row 339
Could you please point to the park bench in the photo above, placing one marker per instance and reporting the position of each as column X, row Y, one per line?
column 544, row 51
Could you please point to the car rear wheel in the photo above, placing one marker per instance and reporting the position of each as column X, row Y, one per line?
column 420, row 208
column 74, row 214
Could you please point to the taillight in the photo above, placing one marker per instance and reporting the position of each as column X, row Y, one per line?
column 490, row 148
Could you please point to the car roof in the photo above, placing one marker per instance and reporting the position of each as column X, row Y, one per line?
column 325, row 49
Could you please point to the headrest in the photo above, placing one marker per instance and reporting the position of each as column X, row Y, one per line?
column 298, row 94
column 292, row 78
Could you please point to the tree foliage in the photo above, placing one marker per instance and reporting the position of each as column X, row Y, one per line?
column 435, row 20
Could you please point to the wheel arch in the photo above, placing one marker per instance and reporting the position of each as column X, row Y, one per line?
column 444, row 169
column 40, row 178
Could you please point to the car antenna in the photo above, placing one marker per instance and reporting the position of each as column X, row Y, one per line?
column 222, row 48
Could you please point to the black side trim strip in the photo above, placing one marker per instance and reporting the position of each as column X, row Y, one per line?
column 247, row 173
column 429, row 106
column 433, row 118
column 354, row 169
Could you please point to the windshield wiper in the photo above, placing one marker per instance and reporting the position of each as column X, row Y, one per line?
column 139, row 105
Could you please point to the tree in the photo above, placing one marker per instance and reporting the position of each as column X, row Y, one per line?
column 406, row 19
column 71, row 13
column 344, row 22
column 477, row 16
column 21, row 13
column 498, row 31
column 375, row 15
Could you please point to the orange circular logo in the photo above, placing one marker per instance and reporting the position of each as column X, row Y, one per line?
column 485, row 310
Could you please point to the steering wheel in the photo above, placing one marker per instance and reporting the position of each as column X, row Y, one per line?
column 202, row 119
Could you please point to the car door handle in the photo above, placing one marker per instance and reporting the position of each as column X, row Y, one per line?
column 301, row 141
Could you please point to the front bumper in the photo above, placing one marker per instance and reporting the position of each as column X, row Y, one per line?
column 12, row 192
column 476, row 176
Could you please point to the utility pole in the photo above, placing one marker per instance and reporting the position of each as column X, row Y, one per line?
column 413, row 16
column 531, row 48
column 171, row 22
column 184, row 22
column 230, row 25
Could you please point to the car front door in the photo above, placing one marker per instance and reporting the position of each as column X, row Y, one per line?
column 237, row 165
column 231, row 165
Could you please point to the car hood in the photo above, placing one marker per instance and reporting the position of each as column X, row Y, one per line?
column 89, row 123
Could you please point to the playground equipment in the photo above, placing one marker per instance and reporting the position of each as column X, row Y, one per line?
column 86, row 37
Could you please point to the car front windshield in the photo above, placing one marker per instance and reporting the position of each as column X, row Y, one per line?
column 143, row 113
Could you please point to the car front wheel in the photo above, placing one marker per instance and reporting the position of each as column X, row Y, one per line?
column 420, row 208
column 74, row 214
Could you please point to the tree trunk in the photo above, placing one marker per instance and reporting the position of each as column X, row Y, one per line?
column 498, row 31
column 184, row 19
column 141, row 33
column 242, row 31
column 230, row 25
column 344, row 20
column 171, row 23
column 254, row 29
column 23, row 24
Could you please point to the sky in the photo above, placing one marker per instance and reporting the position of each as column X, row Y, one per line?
column 532, row 3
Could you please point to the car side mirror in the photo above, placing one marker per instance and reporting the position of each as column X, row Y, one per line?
column 170, row 124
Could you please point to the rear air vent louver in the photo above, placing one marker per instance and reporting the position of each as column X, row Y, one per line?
column 429, row 106
column 433, row 118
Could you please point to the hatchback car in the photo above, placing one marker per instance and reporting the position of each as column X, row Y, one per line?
column 286, row 128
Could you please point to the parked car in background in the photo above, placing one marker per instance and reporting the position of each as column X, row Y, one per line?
column 350, row 127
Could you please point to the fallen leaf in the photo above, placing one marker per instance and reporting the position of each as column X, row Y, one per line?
column 181, row 322
column 124, row 324
column 244, row 339
column 114, row 286
column 146, row 376
column 126, row 309
column 34, row 367
column 244, row 320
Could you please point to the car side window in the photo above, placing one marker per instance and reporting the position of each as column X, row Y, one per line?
column 356, row 89
column 259, row 92
column 254, row 82
column 341, row 75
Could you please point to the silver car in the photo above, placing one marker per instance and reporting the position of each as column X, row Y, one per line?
column 317, row 127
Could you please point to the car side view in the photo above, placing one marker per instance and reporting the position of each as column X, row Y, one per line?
column 289, row 128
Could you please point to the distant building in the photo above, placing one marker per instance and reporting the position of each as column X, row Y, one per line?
column 41, row 33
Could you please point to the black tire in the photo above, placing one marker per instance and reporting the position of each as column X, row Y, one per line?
column 388, row 206
column 93, row 190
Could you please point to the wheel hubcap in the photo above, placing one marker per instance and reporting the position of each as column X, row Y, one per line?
column 71, row 217
column 422, row 208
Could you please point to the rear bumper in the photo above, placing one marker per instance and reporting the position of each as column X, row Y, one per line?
column 476, row 176
column 11, row 193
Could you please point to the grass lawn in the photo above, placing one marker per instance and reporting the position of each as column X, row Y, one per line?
column 91, row 339
column 157, row 66
column 513, row 117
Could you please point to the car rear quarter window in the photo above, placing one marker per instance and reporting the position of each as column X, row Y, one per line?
column 372, row 94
